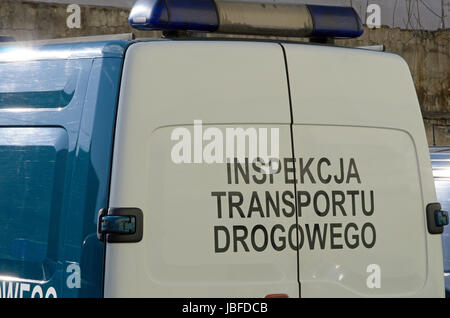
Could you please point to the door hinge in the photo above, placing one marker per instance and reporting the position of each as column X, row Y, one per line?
column 120, row 225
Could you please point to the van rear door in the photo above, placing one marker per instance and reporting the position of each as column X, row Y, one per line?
column 364, row 176
column 209, row 229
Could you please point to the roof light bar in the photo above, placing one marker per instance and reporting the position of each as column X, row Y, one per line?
column 199, row 15
column 339, row 22
column 255, row 18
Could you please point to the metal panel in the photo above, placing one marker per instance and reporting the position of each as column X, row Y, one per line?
column 360, row 105
column 168, row 85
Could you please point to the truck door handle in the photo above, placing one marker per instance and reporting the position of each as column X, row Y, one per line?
column 120, row 225
column 436, row 218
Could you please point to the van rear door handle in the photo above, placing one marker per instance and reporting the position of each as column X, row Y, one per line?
column 120, row 225
column 436, row 218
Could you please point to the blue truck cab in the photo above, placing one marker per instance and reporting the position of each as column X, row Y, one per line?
column 57, row 114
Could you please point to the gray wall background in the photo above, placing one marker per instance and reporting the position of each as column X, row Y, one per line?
column 407, row 14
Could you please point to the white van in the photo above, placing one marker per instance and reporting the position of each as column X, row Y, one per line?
column 341, row 206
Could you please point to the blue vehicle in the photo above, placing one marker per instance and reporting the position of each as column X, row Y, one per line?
column 440, row 160
column 57, row 105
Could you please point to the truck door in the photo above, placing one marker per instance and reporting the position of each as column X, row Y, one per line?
column 364, row 176
column 57, row 114
column 210, row 229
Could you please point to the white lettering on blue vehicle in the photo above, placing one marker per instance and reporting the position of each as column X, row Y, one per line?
column 12, row 289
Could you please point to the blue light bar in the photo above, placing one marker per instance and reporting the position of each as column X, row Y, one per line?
column 200, row 15
column 335, row 22
column 237, row 17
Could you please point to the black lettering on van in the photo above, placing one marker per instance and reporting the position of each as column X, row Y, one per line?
column 364, row 235
column 363, row 203
column 281, row 239
column 319, row 170
column 253, row 238
column 219, row 195
column 217, row 247
column 316, row 234
column 302, row 203
column 240, row 238
column 298, row 234
column 255, row 205
column 273, row 171
column 270, row 203
column 334, row 235
column 289, row 203
column 305, row 170
column 316, row 205
column 289, row 171
column 338, row 202
column 258, row 169
column 353, row 194
column 355, row 237
column 341, row 169
column 229, row 180
column 242, row 171
column 236, row 205
column 352, row 172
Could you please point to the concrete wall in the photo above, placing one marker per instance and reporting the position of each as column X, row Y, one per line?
column 427, row 52
column 405, row 14
column 27, row 20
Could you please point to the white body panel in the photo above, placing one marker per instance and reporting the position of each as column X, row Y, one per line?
column 171, row 84
column 359, row 104
column 346, row 104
